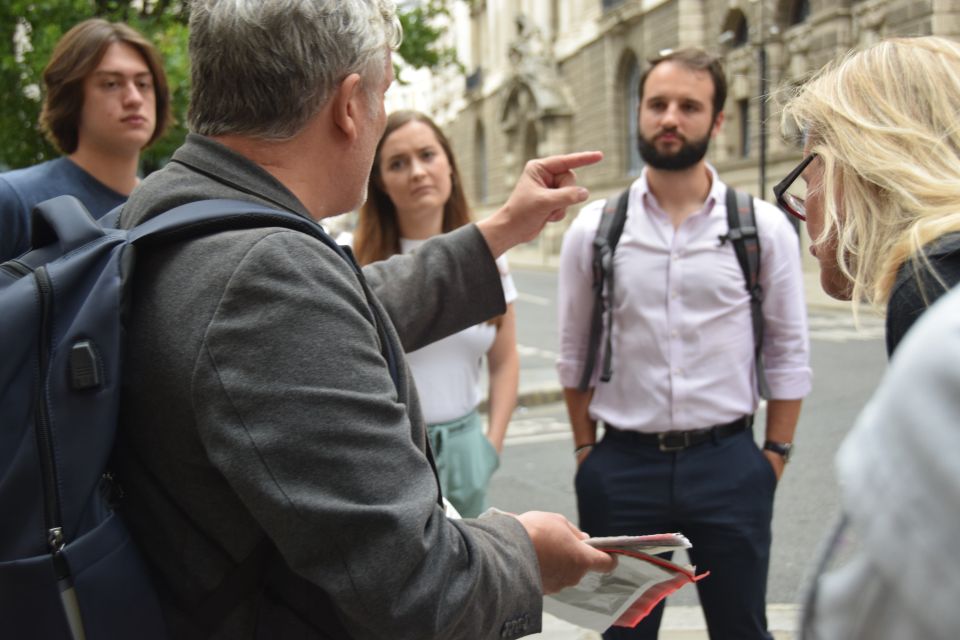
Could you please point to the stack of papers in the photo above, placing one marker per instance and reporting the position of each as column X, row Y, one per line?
column 626, row 595
column 653, row 544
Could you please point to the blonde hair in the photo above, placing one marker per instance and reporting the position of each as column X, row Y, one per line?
column 885, row 123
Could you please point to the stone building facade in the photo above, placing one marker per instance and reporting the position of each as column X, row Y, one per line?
column 551, row 76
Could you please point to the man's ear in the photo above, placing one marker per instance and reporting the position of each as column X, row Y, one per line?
column 346, row 106
column 717, row 123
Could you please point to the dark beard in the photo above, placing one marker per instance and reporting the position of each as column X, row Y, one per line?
column 690, row 153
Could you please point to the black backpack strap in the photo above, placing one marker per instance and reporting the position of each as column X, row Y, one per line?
column 742, row 232
column 604, row 244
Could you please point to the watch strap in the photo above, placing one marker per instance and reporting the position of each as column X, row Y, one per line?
column 783, row 449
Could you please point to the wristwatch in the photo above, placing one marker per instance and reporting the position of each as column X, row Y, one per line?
column 784, row 449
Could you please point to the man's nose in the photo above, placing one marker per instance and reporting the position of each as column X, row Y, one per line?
column 670, row 115
column 132, row 95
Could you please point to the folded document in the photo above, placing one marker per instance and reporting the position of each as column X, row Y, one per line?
column 626, row 595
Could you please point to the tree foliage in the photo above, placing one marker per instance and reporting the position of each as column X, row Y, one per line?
column 29, row 30
column 423, row 24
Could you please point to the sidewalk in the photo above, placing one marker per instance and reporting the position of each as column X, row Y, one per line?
column 679, row 623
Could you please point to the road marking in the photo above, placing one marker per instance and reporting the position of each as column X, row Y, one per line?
column 532, row 299
column 536, row 430
column 524, row 350
column 843, row 328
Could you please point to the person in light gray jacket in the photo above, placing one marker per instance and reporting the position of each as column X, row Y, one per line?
column 891, row 572
column 275, row 476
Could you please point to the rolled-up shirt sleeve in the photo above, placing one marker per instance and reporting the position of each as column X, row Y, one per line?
column 575, row 294
column 786, row 341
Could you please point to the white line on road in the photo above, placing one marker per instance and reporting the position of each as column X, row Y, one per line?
column 536, row 438
column 532, row 299
column 843, row 328
column 524, row 350
column 846, row 335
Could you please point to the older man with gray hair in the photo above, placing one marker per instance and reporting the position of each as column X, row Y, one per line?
column 266, row 451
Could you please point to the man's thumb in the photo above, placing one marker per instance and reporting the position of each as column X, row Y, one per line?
column 566, row 196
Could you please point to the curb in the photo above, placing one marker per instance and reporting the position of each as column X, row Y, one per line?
column 532, row 397
column 536, row 397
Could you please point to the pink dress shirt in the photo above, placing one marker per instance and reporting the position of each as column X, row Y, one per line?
column 682, row 334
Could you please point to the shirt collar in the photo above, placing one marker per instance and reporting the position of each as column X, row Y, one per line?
column 409, row 244
column 717, row 192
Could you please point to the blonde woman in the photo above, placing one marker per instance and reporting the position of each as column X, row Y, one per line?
column 415, row 193
column 882, row 174
column 882, row 205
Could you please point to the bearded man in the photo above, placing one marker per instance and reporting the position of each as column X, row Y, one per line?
column 678, row 452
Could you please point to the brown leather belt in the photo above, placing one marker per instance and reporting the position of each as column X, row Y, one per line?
column 680, row 440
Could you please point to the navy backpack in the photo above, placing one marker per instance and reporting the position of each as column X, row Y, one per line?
column 68, row 567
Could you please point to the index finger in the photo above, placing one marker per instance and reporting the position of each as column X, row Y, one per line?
column 566, row 162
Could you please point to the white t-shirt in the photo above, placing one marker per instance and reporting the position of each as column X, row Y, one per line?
column 447, row 372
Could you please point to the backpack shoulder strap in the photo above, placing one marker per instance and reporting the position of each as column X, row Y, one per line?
column 209, row 216
column 605, row 241
column 742, row 232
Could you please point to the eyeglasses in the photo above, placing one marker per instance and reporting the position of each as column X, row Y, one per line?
column 793, row 204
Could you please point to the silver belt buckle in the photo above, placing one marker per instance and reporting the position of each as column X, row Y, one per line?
column 668, row 447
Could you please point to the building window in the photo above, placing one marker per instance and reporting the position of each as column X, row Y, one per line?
column 531, row 142
column 735, row 33
column 799, row 11
column 743, row 118
column 474, row 81
column 631, row 112
column 480, row 165
column 610, row 4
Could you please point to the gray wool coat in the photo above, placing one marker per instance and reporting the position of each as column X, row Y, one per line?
column 257, row 405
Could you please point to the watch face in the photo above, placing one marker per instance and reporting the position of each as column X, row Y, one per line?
column 782, row 448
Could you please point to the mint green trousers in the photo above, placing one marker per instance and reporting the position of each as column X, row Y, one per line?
column 465, row 462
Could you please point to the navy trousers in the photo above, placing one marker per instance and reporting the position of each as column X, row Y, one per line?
column 719, row 494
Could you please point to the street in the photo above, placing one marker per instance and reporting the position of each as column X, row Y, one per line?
column 537, row 465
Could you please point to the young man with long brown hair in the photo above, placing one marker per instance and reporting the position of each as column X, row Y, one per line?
column 105, row 100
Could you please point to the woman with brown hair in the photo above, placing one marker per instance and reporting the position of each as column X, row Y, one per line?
column 414, row 193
